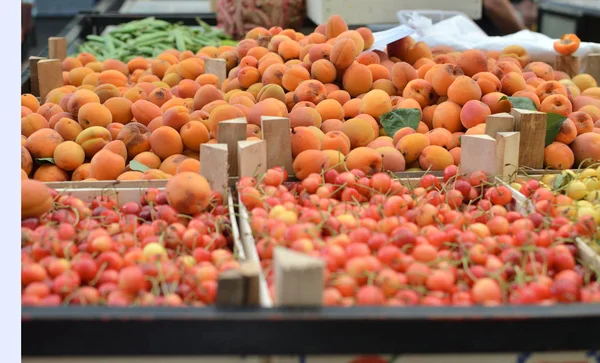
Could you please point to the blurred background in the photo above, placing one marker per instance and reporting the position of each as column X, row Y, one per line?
column 43, row 18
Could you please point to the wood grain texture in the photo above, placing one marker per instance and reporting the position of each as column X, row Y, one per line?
column 276, row 133
column 532, row 126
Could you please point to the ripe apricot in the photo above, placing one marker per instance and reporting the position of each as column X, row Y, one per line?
column 441, row 77
column 402, row 73
column 541, row 70
column 472, row 61
column 222, row 113
column 80, row 98
column 487, row 82
column 69, row 155
column 335, row 26
column 113, row 77
column 170, row 164
column 94, row 114
column 165, row 141
column 48, row 110
column 267, row 107
column 106, row 165
column 357, row 79
column 41, row 143
column 381, row 141
column 305, row 116
column 50, row 173
column 550, row 88
column 31, row 123
column 512, row 82
column 136, row 138
column 331, row 125
column 359, row 131
column 293, row 76
column 582, row 121
column 365, row 159
column 35, row 199
column 30, row 101
column 308, row 162
column 303, row 138
column 189, row 164
column 441, row 137
column 149, row 159
column 392, row 159
column 323, row 71
column 117, row 147
column 411, row 146
column 558, row 156
column 311, row 91
column 176, row 117
column 557, row 104
column 434, row 157
column 336, row 140
column 26, row 161
column 464, row 89
column 205, row 95
column 93, row 139
column 447, row 115
column 120, row 109
column 375, row 103
column 495, row 104
column 567, row 132
column 473, row 113
column 193, row 134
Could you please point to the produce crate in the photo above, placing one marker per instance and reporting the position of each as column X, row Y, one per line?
column 382, row 11
column 94, row 23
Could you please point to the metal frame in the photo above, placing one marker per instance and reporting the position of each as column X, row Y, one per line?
column 95, row 331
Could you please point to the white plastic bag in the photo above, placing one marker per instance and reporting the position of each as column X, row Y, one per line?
column 461, row 33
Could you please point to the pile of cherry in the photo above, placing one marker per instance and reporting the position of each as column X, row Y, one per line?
column 459, row 240
column 136, row 254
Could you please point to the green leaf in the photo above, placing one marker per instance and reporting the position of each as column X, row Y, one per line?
column 558, row 181
column 399, row 118
column 553, row 123
column 42, row 161
column 137, row 166
column 522, row 103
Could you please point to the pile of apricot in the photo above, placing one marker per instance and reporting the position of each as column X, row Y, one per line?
column 329, row 83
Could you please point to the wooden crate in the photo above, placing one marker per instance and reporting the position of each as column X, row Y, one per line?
column 132, row 191
column 360, row 12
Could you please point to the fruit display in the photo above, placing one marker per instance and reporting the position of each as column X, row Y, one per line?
column 166, row 249
column 149, row 37
column 456, row 240
column 573, row 194
column 351, row 107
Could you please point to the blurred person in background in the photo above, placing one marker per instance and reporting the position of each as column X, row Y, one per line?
column 502, row 17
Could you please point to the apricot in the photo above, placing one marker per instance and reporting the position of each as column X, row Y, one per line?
column 170, row 164
column 106, row 165
column 205, row 95
column 381, row 141
column 32, row 123
column 94, row 114
column 342, row 53
column 120, row 109
column 222, row 113
column 308, row 162
column 512, row 82
column 375, row 103
column 529, row 94
column 26, row 161
column 153, row 174
column 336, row 140
column 145, row 111
column 190, row 165
column 311, row 91
column 393, row 161
column 149, row 159
column 136, row 138
column 48, row 110
column 36, row 199
column 118, row 147
column 79, row 99
column 435, row 158
column 357, row 79
column 106, row 92
column 93, row 139
column 472, row 62
column 323, row 71
column 541, row 70
column 411, row 146
column 30, row 101
column 114, row 129
column 495, row 104
column 41, row 143
column 50, row 173
column 441, row 77
column 69, row 155
column 487, row 82
column 266, row 107
column 593, row 111
column 401, row 133
column 365, row 159
column 441, row 137
column 330, row 109
column 367, row 36
column 113, row 77
column 448, row 115
column 550, row 88
column 25, row 111
column 558, row 156
column 473, row 113
column 402, row 73
column 582, row 121
column 303, row 138
column 593, row 92
column 81, row 173
column 567, row 132
column 359, row 131
column 331, row 125
column 305, row 116
column 176, row 117
column 193, row 134
column 557, row 103
column 293, row 76
column 464, row 89
column 584, row 81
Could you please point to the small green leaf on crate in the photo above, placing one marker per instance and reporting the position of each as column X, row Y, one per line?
column 553, row 123
column 42, row 161
column 522, row 103
column 137, row 166
column 397, row 119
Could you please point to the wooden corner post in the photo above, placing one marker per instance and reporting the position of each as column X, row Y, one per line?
column 49, row 75
column 229, row 132
column 252, row 157
column 214, row 166
column 298, row 279
column 276, row 133
column 499, row 122
column 216, row 66
column 57, row 48
column 532, row 126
